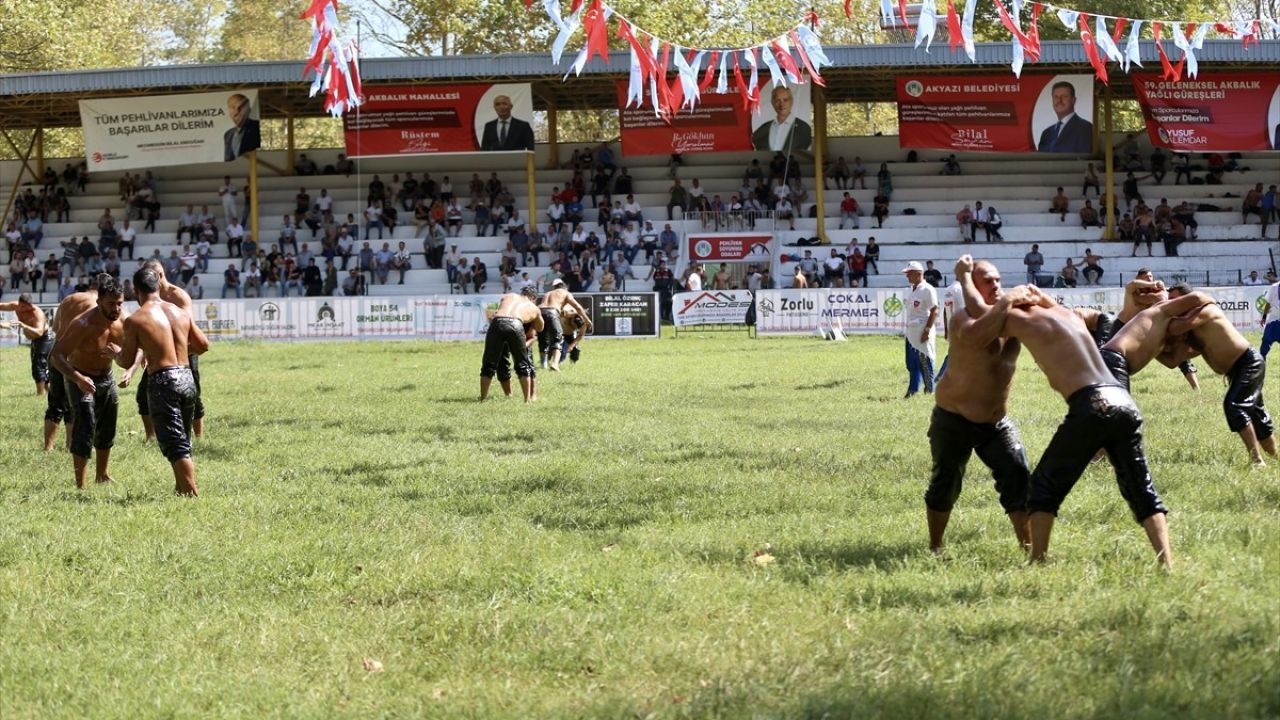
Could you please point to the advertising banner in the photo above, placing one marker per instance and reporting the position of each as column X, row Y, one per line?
column 161, row 130
column 622, row 314
column 1223, row 112
column 711, row 307
column 743, row 247
column 996, row 113
column 718, row 123
column 805, row 312
column 427, row 119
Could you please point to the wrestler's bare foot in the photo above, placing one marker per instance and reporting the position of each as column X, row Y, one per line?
column 103, row 479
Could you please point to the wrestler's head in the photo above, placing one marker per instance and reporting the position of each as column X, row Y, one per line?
column 146, row 282
column 986, row 278
column 110, row 298
column 530, row 292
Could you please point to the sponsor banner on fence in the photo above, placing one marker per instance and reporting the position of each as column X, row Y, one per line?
column 1213, row 112
column 996, row 113
column 427, row 119
column 711, row 307
column 745, row 247
column 622, row 314
column 161, row 130
column 719, row 123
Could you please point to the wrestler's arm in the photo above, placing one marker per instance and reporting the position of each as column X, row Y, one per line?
column 1185, row 305
column 9, row 306
column 197, row 341
column 129, row 348
column 61, row 356
column 974, row 305
column 569, row 298
column 989, row 327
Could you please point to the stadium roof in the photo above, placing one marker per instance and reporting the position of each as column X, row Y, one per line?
column 860, row 73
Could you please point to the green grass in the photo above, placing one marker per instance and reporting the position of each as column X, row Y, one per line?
column 591, row 555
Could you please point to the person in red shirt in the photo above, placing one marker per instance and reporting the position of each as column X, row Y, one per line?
column 848, row 210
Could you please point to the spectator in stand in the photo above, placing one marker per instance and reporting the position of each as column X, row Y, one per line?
column 1034, row 261
column 809, row 266
column 678, row 197
column 1270, row 209
column 373, row 217
column 785, row 211
column 849, row 211
column 884, row 181
column 1159, row 165
column 931, row 274
column 857, row 269
column 1089, row 215
column 833, row 270
column 1252, row 204
column 839, row 173
column 231, row 281
column 401, row 261
column 859, row 173
column 1253, row 279
column 227, row 194
column 950, row 166
column 1067, row 275
column 248, row 250
column 251, row 279
column 1127, row 229
column 125, row 240
column 632, row 211
column 235, row 235
column 1091, row 181
column 1130, row 187
column 873, row 254
column 988, row 220
column 1175, row 235
column 1060, row 205
column 964, row 219
column 479, row 274
column 52, row 271
column 1092, row 268
column 880, row 209
column 669, row 241
column 188, row 223
column 305, row 166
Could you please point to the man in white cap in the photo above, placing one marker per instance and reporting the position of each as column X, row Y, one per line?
column 921, row 313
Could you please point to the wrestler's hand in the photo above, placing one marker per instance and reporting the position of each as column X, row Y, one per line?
column 111, row 350
column 1019, row 296
column 964, row 265
column 85, row 384
column 6, row 325
column 125, row 377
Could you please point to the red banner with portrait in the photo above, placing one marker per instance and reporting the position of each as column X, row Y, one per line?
column 427, row 119
column 1224, row 112
column 997, row 113
column 717, row 124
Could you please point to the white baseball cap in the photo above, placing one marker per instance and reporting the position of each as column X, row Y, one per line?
column 560, row 283
column 913, row 266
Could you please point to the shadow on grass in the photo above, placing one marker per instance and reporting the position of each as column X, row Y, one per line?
column 371, row 474
column 807, row 561
column 829, row 385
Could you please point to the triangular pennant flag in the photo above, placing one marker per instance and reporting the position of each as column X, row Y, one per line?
column 966, row 27
column 1068, row 17
column 776, row 76
column 1132, row 51
column 1091, row 49
column 783, row 55
column 804, row 58
column 753, row 83
column 595, row 24
column 567, row 28
column 1120, row 25
column 1103, row 38
column 812, row 46
column 1168, row 72
column 927, row 24
column 743, row 92
column 722, row 82
column 709, row 76
column 955, row 35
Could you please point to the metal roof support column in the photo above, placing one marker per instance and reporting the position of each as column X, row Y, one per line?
column 1110, row 232
column 531, row 175
column 553, row 138
column 40, row 153
column 819, row 152
column 253, row 197
column 289, row 146
column 17, row 180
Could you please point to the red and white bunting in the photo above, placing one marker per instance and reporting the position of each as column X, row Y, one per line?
column 335, row 60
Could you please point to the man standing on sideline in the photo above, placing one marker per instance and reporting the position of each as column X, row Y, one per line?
column 972, row 409
column 921, row 313
column 511, row 331
column 1034, row 261
column 166, row 335
column 552, row 333
column 36, row 328
column 1100, row 415
column 1270, row 319
column 83, row 353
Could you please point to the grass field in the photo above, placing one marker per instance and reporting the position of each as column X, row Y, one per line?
column 594, row 555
